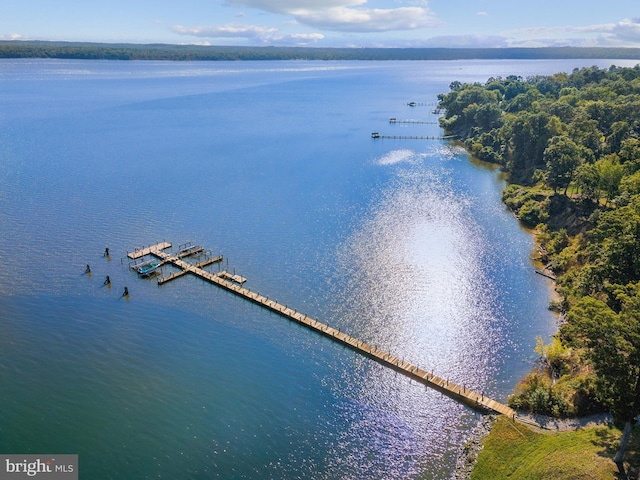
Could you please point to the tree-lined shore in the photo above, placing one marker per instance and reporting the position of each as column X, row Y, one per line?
column 571, row 146
column 169, row 52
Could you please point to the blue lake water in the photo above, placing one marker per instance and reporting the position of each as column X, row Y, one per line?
column 404, row 244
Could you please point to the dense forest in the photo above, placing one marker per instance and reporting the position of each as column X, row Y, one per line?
column 571, row 146
column 108, row 51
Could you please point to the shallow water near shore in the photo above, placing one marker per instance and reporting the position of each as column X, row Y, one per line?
column 403, row 244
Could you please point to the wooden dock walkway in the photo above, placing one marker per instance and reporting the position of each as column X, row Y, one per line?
column 420, row 122
column 234, row 278
column 179, row 273
column 422, row 104
column 413, row 137
column 453, row 390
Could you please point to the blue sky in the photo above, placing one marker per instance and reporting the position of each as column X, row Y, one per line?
column 328, row 23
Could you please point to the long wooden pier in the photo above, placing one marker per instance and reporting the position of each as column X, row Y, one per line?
column 422, row 104
column 420, row 122
column 413, row 137
column 179, row 273
column 233, row 284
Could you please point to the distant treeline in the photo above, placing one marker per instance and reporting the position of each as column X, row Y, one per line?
column 111, row 51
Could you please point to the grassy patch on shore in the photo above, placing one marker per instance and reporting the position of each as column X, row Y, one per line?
column 513, row 451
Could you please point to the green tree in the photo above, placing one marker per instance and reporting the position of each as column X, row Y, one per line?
column 470, row 107
column 629, row 155
column 619, row 132
column 629, row 150
column 562, row 110
column 524, row 101
column 514, row 86
column 488, row 117
column 562, row 158
column 528, row 135
column 585, row 132
column 603, row 113
column 612, row 344
column 613, row 253
column 631, row 184
column 611, row 173
column 587, row 178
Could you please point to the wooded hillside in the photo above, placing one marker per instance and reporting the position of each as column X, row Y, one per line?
column 571, row 145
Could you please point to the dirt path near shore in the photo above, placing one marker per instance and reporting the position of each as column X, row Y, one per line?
column 550, row 424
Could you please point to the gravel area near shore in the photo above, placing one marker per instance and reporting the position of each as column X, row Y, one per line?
column 468, row 454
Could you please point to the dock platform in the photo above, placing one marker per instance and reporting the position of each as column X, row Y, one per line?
column 141, row 252
column 232, row 284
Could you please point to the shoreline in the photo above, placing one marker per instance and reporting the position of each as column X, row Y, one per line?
column 468, row 453
column 30, row 49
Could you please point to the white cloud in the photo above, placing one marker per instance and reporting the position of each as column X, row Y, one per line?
column 482, row 14
column 314, row 37
column 227, row 31
column 568, row 29
column 367, row 20
column 628, row 29
column 11, row 36
column 625, row 33
column 467, row 41
column 346, row 15
column 549, row 42
column 270, row 35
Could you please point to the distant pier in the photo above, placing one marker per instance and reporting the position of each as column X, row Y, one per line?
column 377, row 135
column 546, row 273
column 422, row 104
column 421, row 122
column 234, row 284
